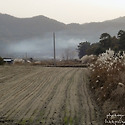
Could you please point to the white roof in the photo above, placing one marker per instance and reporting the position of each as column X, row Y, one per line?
column 7, row 60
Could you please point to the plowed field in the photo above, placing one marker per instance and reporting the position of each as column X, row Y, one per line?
column 34, row 95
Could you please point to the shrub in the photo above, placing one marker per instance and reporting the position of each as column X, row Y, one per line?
column 1, row 61
column 88, row 59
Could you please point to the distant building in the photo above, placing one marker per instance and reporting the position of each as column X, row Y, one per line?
column 8, row 60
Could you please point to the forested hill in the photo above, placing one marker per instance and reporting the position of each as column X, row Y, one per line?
column 14, row 29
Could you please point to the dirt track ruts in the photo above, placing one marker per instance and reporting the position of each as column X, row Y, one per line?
column 46, row 96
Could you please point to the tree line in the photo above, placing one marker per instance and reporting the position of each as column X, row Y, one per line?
column 116, row 43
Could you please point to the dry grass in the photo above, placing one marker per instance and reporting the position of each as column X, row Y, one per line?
column 58, row 63
column 107, row 82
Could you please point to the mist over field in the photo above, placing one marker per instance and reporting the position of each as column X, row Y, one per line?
column 40, row 48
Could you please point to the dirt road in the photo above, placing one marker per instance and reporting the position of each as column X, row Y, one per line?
column 34, row 95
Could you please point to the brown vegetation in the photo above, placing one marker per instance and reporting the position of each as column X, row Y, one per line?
column 107, row 82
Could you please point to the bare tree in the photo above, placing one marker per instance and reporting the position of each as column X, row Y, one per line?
column 68, row 54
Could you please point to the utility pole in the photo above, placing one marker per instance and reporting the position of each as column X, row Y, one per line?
column 54, row 48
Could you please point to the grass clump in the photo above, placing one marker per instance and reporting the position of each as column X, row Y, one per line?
column 107, row 81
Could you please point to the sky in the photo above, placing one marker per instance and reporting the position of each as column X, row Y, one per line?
column 66, row 11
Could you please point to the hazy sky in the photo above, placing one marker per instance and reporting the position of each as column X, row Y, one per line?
column 67, row 11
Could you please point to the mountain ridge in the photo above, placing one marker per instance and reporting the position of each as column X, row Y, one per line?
column 14, row 28
column 42, row 16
